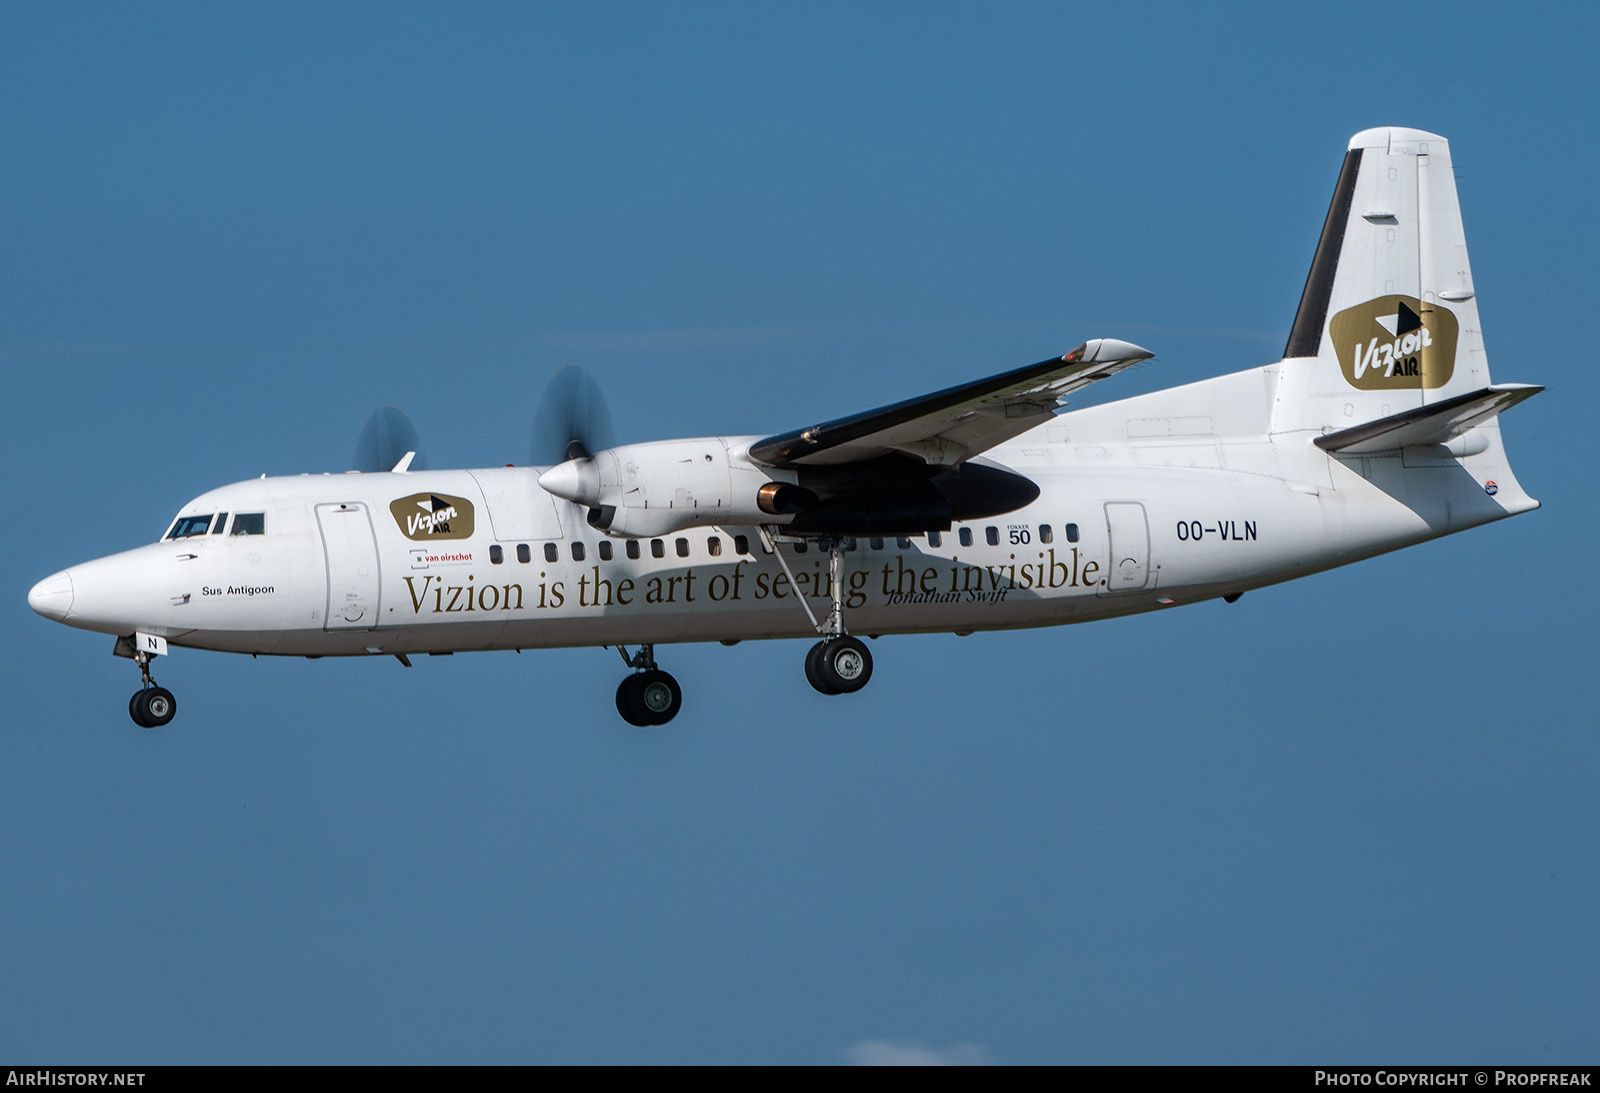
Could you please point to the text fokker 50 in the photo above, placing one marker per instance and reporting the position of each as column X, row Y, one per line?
column 973, row 508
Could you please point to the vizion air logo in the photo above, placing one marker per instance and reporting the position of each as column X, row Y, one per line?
column 1395, row 342
column 429, row 516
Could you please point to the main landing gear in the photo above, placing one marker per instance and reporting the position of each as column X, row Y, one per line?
column 649, row 696
column 838, row 664
column 150, row 707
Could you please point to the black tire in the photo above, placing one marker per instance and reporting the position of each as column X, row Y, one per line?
column 660, row 697
column 814, row 669
column 630, row 703
column 844, row 665
column 152, row 707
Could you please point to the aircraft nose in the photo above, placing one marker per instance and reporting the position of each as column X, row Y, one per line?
column 52, row 597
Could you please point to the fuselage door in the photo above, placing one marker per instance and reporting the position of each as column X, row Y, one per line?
column 352, row 560
column 1129, row 536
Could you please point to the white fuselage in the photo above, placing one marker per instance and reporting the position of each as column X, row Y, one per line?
column 1163, row 499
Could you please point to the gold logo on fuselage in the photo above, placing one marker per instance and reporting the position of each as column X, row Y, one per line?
column 428, row 516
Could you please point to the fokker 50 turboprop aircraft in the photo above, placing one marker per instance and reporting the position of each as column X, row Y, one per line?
column 973, row 508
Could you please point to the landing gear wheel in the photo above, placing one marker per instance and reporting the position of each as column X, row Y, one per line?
column 841, row 666
column 659, row 696
column 152, row 707
column 814, row 670
column 650, row 697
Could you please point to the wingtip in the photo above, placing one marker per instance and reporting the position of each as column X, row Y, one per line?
column 1100, row 350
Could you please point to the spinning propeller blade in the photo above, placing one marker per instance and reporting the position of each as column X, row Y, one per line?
column 384, row 441
column 573, row 420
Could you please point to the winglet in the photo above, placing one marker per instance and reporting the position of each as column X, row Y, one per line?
column 405, row 463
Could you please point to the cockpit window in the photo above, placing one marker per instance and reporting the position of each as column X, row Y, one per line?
column 188, row 526
column 250, row 523
column 222, row 522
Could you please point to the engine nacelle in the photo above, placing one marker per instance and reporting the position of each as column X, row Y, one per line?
column 644, row 490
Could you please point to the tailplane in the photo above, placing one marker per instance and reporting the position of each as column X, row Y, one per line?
column 1446, row 426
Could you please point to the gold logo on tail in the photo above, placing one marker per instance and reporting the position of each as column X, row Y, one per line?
column 1395, row 343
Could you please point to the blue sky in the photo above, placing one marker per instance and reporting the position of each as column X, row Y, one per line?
column 1349, row 819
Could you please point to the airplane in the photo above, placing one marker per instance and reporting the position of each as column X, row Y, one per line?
column 977, row 507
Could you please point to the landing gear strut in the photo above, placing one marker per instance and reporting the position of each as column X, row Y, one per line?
column 838, row 664
column 649, row 696
column 150, row 707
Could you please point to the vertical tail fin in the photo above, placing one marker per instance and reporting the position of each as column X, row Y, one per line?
column 1388, row 320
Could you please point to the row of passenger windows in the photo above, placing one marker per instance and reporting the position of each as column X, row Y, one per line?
column 1017, row 534
column 605, row 550
column 244, row 523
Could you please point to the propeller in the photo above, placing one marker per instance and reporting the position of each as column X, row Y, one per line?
column 573, row 420
column 387, row 436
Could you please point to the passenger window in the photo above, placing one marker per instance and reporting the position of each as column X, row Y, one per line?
column 632, row 548
column 741, row 544
column 249, row 523
column 965, row 536
column 934, row 539
column 800, row 548
column 524, row 554
column 1071, row 532
column 714, row 546
column 496, row 555
column 550, row 553
column 683, row 548
column 658, row 549
column 577, row 551
column 903, row 542
column 875, row 542
column 605, row 550
column 222, row 522
column 991, row 535
column 849, row 543
column 189, row 526
column 1045, row 534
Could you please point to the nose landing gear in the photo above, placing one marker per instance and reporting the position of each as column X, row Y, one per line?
column 150, row 707
column 649, row 696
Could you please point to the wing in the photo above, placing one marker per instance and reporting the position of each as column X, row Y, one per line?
column 953, row 425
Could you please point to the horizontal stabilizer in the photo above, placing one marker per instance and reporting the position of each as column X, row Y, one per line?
column 1435, row 423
